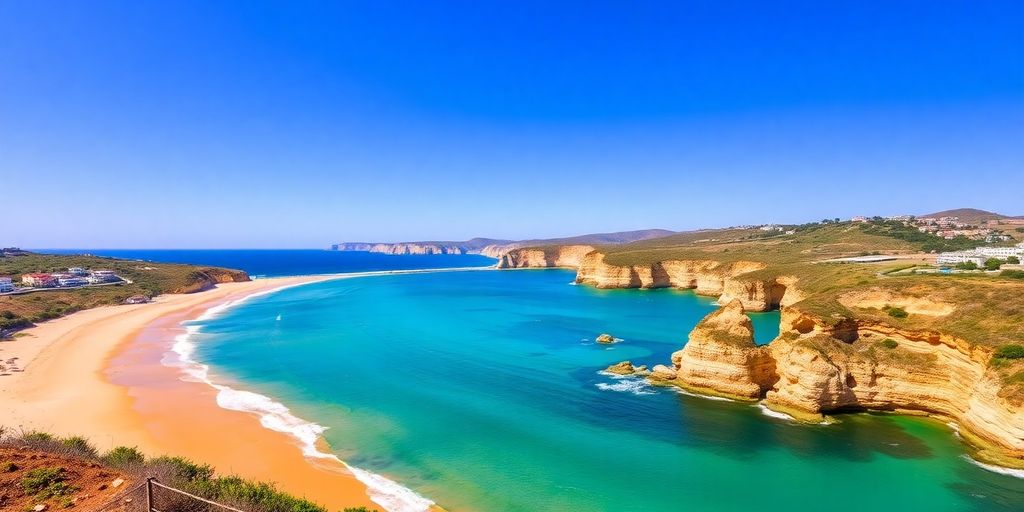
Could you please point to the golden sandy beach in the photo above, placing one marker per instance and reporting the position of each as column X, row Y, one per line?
column 97, row 374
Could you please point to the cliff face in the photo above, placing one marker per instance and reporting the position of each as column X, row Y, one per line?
column 706, row 277
column 814, row 368
column 207, row 278
column 885, row 368
column 558, row 256
column 721, row 357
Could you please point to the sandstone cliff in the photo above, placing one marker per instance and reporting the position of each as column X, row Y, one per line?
column 706, row 277
column 814, row 368
column 721, row 357
column 207, row 278
column 555, row 256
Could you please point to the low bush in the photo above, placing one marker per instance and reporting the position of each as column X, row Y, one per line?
column 897, row 312
column 889, row 343
column 45, row 483
column 1012, row 274
column 124, row 457
column 1010, row 352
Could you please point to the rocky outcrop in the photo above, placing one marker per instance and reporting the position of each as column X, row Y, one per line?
column 721, row 357
column 627, row 368
column 541, row 257
column 816, row 367
column 209, row 277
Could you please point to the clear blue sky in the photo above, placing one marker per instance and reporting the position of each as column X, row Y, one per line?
column 298, row 124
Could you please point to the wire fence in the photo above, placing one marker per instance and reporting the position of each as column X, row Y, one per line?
column 153, row 496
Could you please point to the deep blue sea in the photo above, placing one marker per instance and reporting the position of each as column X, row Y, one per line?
column 288, row 262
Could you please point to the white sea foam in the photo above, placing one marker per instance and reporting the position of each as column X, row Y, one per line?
column 1017, row 473
column 774, row 414
column 633, row 385
column 275, row 416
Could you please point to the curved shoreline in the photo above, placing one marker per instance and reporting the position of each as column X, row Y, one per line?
column 275, row 416
column 98, row 373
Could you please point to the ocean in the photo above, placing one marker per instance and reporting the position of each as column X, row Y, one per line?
column 483, row 390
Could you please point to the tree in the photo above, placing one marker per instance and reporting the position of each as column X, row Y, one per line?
column 993, row 263
column 1013, row 260
column 967, row 265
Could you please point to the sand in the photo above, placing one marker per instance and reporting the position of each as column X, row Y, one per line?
column 97, row 374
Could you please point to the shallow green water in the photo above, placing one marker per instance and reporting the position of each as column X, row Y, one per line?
column 481, row 391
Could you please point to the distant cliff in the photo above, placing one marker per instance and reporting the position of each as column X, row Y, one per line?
column 496, row 248
column 472, row 246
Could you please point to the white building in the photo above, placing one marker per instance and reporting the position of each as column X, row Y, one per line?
column 72, row 281
column 103, row 276
column 952, row 258
column 1000, row 252
column 6, row 285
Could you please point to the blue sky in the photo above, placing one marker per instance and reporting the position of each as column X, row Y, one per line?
column 298, row 124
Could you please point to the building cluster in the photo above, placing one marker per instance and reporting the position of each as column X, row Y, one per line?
column 948, row 227
column 72, row 278
column 980, row 255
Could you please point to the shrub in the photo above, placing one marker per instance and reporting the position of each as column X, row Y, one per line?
column 33, row 436
column 966, row 265
column 897, row 312
column 79, row 445
column 993, row 263
column 8, row 467
column 123, row 456
column 889, row 343
column 1012, row 274
column 46, row 483
column 1010, row 352
column 181, row 470
column 1013, row 260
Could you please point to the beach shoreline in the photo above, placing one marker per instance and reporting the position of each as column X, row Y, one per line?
column 100, row 374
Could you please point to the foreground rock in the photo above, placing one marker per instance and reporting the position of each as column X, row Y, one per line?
column 721, row 357
column 627, row 368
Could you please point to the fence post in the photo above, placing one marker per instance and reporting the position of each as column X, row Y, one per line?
column 149, row 494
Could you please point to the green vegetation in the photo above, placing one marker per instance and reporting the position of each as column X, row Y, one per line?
column 1012, row 274
column 966, row 265
column 1010, row 352
column 124, row 457
column 896, row 312
column 926, row 241
column 1013, row 260
column 199, row 479
column 45, row 483
column 993, row 263
column 889, row 343
column 146, row 278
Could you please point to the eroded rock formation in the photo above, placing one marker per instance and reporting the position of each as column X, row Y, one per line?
column 721, row 357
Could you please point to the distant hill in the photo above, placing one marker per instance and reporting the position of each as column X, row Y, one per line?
column 971, row 215
column 491, row 246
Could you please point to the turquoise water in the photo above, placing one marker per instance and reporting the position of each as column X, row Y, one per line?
column 481, row 391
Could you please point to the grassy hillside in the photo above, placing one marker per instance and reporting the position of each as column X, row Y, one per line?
column 69, row 473
column 147, row 278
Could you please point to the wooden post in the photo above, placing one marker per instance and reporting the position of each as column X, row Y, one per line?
column 149, row 494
